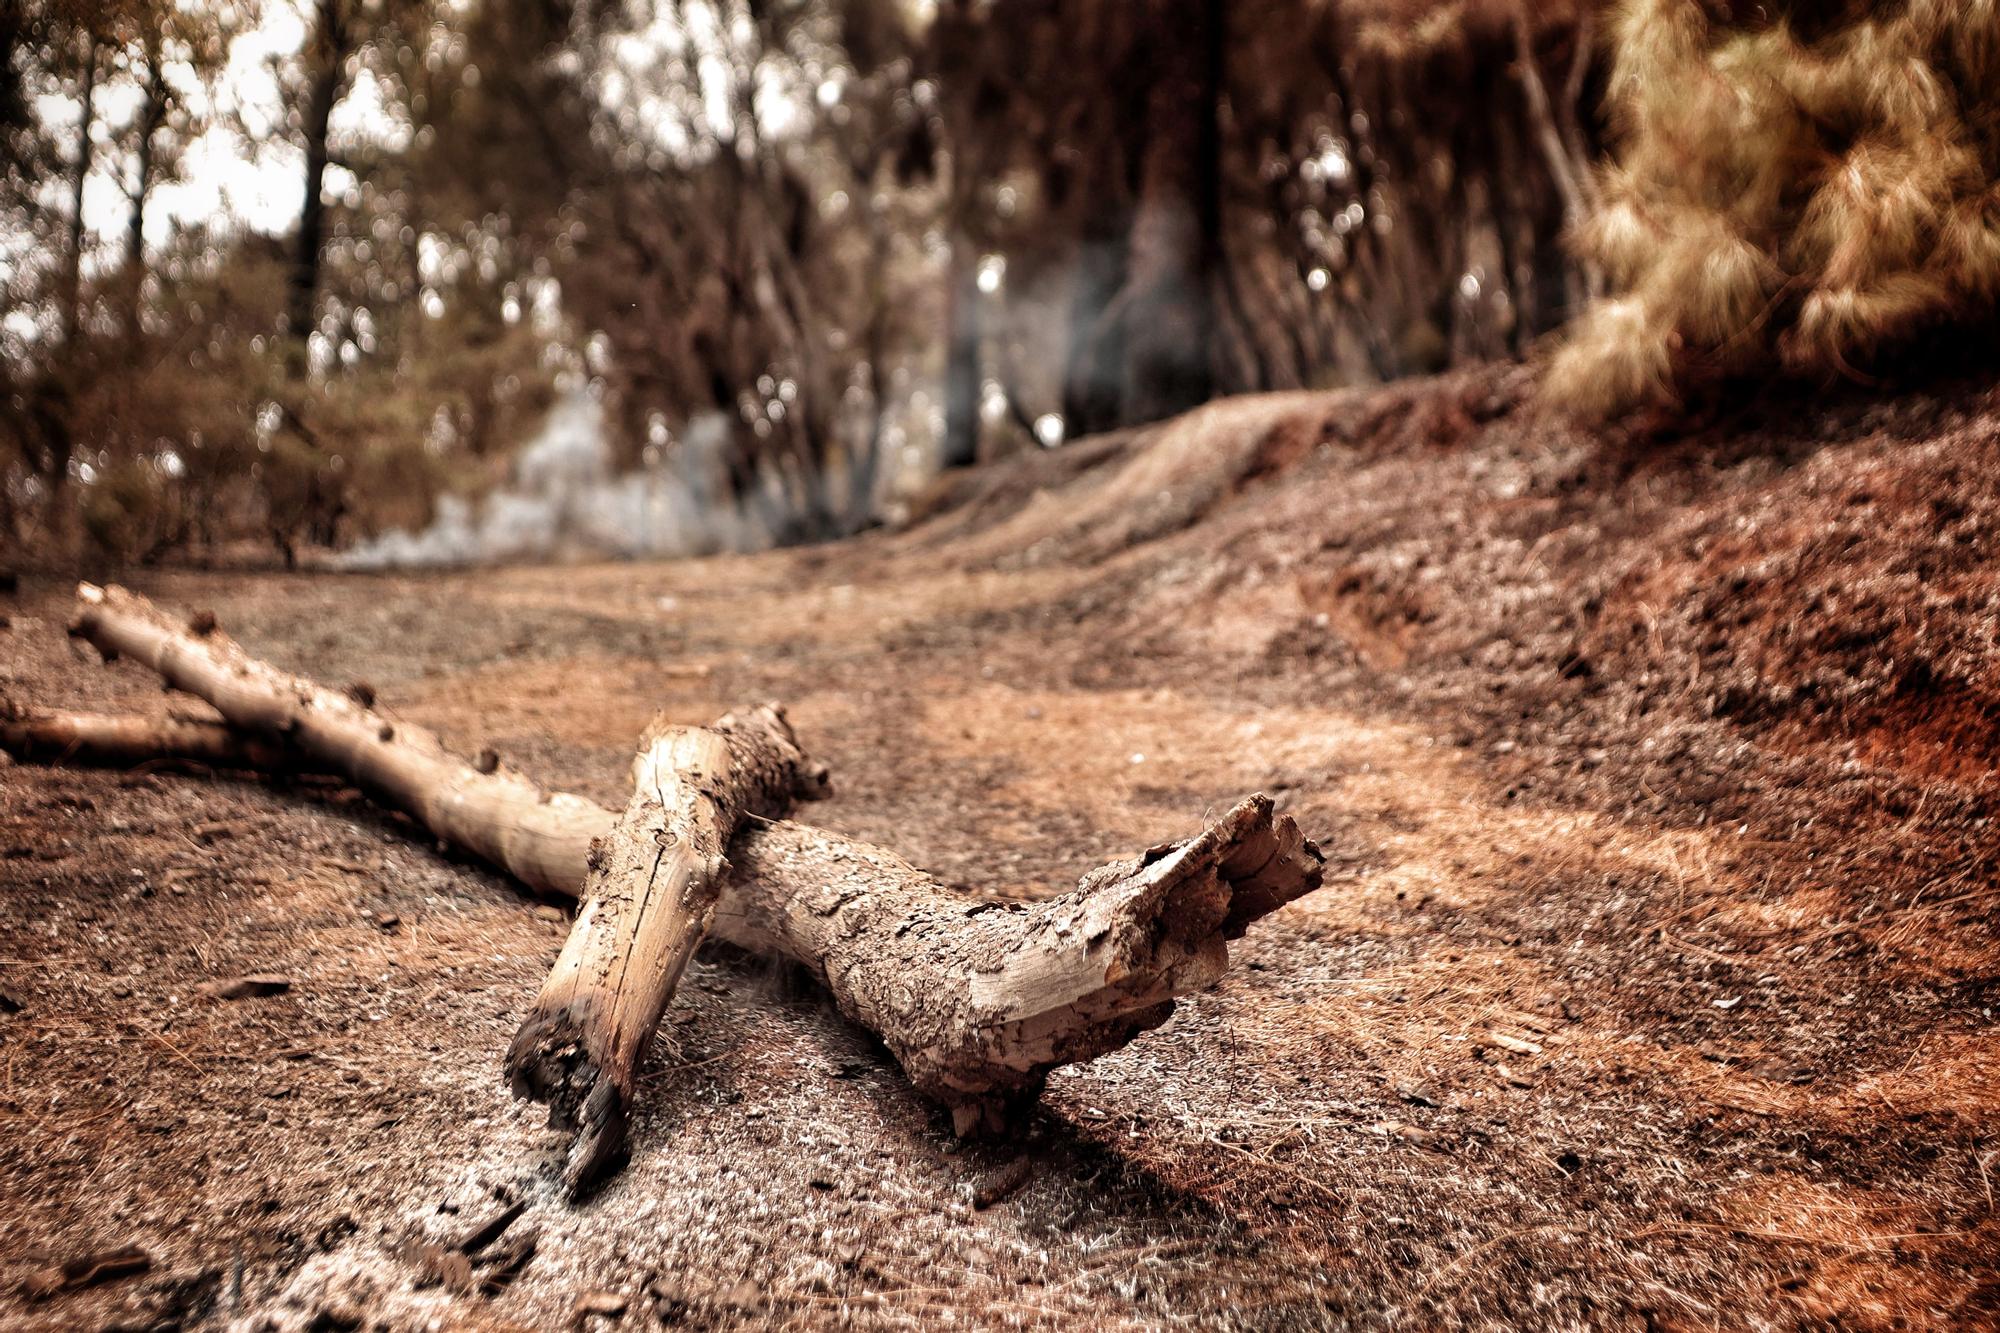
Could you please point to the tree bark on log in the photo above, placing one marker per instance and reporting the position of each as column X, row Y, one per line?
column 127, row 742
column 650, row 892
column 976, row 999
column 484, row 808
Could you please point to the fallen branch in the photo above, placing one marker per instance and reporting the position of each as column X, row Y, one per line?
column 977, row 1000
column 650, row 893
column 797, row 892
column 125, row 742
column 484, row 808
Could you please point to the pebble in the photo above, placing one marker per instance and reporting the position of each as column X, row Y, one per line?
column 246, row 987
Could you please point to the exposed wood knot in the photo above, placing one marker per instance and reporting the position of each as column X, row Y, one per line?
column 487, row 760
column 385, row 732
column 812, row 782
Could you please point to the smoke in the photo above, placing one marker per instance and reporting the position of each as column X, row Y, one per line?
column 565, row 504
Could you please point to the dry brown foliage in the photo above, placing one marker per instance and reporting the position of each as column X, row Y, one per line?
column 1802, row 192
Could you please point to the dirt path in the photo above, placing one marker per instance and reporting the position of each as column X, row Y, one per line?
column 1610, row 1015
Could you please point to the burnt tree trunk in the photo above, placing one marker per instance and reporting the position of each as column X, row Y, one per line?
column 76, row 235
column 654, row 879
column 152, row 119
column 485, row 808
column 979, row 1000
column 1166, row 305
column 961, row 366
column 329, row 44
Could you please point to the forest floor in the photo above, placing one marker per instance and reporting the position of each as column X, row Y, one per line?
column 1651, row 987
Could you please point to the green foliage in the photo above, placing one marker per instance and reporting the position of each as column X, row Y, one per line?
column 1801, row 192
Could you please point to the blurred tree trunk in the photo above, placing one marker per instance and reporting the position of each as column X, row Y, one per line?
column 74, row 241
column 320, row 505
column 1166, row 304
column 50, row 404
column 329, row 42
column 865, row 467
column 151, row 119
column 1090, row 399
column 961, row 370
column 1143, row 337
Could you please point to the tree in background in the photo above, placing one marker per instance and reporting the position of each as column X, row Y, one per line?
column 82, row 368
column 804, row 250
column 1269, row 194
column 738, row 234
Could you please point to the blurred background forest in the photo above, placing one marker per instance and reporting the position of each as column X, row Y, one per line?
column 280, row 276
column 806, row 251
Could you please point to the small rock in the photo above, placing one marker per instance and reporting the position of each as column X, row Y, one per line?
column 87, row 1270
column 387, row 921
column 437, row 1266
column 1004, row 1183
column 1415, row 1095
column 246, row 987
column 549, row 912
column 604, row 1304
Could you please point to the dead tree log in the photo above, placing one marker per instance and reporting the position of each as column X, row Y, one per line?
column 977, row 1000
column 127, row 742
column 650, row 893
column 484, row 808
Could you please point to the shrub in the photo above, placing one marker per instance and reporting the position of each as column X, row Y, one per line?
column 1801, row 190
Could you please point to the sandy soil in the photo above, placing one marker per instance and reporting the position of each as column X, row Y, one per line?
column 1652, row 985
